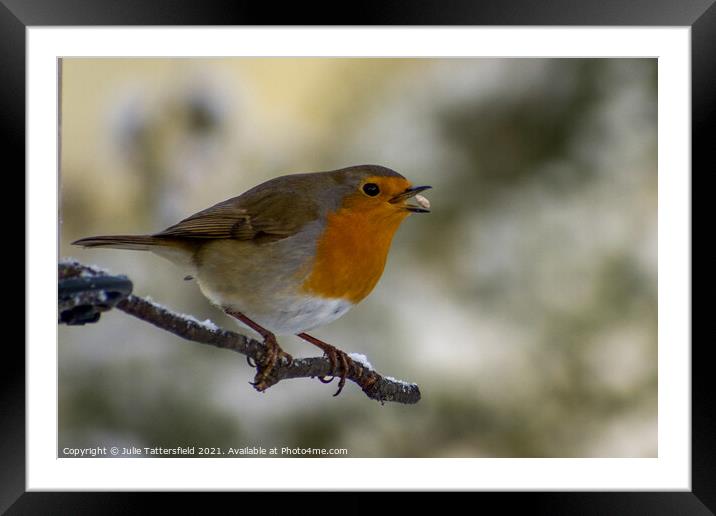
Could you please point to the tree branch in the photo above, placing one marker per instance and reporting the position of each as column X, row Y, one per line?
column 96, row 297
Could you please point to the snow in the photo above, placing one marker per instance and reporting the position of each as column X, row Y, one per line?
column 206, row 324
column 362, row 359
column 401, row 382
column 87, row 270
column 151, row 301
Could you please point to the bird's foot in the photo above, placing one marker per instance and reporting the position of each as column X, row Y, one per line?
column 271, row 355
column 268, row 361
column 335, row 356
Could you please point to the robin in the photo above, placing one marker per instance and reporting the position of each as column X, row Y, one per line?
column 291, row 254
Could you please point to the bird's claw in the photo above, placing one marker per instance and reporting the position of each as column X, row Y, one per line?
column 345, row 371
column 268, row 362
column 333, row 354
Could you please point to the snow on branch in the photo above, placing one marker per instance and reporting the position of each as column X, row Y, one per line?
column 86, row 291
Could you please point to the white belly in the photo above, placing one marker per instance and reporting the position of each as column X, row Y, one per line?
column 302, row 315
column 294, row 315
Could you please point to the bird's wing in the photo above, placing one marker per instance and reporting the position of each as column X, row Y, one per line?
column 264, row 214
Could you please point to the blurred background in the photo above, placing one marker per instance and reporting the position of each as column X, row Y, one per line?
column 524, row 305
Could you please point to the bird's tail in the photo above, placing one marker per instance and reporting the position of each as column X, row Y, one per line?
column 134, row 242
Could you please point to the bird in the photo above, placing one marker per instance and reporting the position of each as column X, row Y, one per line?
column 291, row 254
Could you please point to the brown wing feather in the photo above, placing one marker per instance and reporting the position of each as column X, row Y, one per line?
column 262, row 213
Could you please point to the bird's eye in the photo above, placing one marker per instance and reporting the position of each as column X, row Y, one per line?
column 371, row 189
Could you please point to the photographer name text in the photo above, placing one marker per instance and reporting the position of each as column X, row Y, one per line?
column 193, row 451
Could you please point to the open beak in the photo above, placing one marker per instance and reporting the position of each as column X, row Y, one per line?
column 423, row 204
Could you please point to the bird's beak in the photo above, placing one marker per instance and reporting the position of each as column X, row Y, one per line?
column 423, row 203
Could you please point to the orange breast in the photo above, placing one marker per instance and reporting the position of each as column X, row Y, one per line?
column 351, row 254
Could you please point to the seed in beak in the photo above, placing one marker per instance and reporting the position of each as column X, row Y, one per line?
column 422, row 201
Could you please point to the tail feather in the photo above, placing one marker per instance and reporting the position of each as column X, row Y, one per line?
column 133, row 242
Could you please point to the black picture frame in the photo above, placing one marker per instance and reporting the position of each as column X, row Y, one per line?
column 17, row 15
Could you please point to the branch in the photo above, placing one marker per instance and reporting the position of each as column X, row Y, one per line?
column 87, row 291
